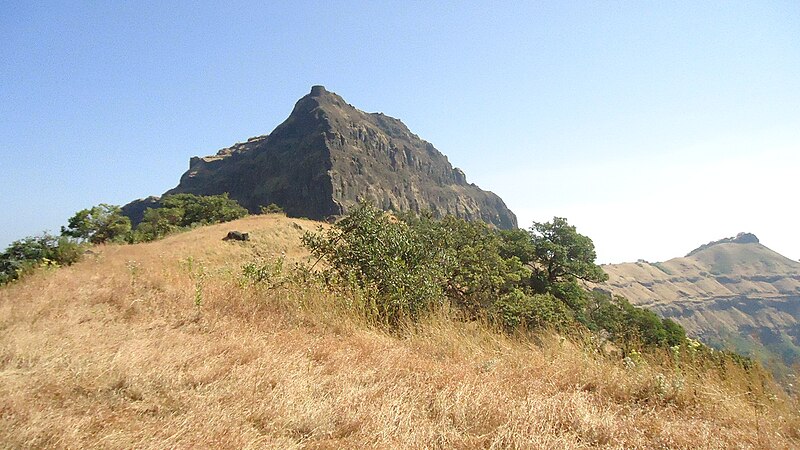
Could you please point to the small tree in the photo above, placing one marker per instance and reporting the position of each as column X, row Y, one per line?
column 180, row 211
column 400, row 273
column 203, row 209
column 272, row 208
column 99, row 224
column 26, row 254
column 563, row 254
column 157, row 223
column 476, row 272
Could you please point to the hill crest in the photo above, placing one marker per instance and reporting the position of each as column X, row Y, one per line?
column 734, row 292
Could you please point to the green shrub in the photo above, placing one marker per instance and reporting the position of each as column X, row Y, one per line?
column 272, row 208
column 631, row 326
column 517, row 309
column 99, row 224
column 475, row 272
column 520, row 278
column 394, row 267
column 182, row 211
column 25, row 255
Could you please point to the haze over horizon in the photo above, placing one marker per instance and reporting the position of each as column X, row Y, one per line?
column 654, row 128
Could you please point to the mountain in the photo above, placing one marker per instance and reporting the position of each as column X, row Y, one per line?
column 328, row 155
column 733, row 293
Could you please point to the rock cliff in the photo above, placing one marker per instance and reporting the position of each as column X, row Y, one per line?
column 328, row 155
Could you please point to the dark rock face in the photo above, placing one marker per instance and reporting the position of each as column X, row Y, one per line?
column 328, row 155
column 135, row 209
column 745, row 238
column 236, row 236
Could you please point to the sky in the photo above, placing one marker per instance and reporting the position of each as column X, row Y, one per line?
column 653, row 127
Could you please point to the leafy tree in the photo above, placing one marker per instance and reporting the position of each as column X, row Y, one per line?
column 559, row 257
column 186, row 210
column 99, row 224
column 203, row 209
column 26, row 254
column 399, row 273
column 562, row 254
column 157, row 223
column 475, row 272
column 406, row 264
column 272, row 208
column 632, row 326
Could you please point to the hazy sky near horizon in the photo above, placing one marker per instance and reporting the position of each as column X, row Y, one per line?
column 654, row 127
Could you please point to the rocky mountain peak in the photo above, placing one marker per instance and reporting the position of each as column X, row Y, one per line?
column 318, row 91
column 745, row 238
column 328, row 155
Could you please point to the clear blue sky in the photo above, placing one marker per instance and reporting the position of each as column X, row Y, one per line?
column 653, row 127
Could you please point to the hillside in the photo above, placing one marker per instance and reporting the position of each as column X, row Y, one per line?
column 166, row 344
column 326, row 157
column 733, row 293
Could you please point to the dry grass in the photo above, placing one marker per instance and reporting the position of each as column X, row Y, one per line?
column 115, row 352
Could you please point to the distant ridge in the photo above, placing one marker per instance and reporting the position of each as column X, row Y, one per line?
column 741, row 238
column 328, row 155
column 734, row 292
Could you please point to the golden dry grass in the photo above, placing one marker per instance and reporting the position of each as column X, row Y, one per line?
column 115, row 352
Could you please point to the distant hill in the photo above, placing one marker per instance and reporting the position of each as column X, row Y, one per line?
column 733, row 293
column 326, row 156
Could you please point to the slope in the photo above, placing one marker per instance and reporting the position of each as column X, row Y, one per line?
column 167, row 344
column 732, row 293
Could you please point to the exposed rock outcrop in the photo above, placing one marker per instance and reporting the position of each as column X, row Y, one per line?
column 328, row 155
column 135, row 209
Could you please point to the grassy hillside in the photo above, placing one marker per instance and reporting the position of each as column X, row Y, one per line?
column 167, row 344
column 744, row 297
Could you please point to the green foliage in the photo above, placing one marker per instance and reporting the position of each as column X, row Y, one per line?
column 558, row 258
column 99, row 224
column 157, row 223
column 632, row 326
column 561, row 256
column 398, row 270
column 25, row 255
column 181, row 211
column 203, row 209
column 519, row 278
column 517, row 309
column 475, row 272
column 272, row 208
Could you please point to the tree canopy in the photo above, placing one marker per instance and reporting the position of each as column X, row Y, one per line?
column 407, row 264
column 98, row 224
column 181, row 211
column 562, row 254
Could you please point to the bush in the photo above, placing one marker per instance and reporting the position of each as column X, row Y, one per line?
column 99, row 224
column 475, row 272
column 25, row 255
column 631, row 326
column 272, row 208
column 396, row 269
column 517, row 309
column 519, row 278
column 181, row 211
